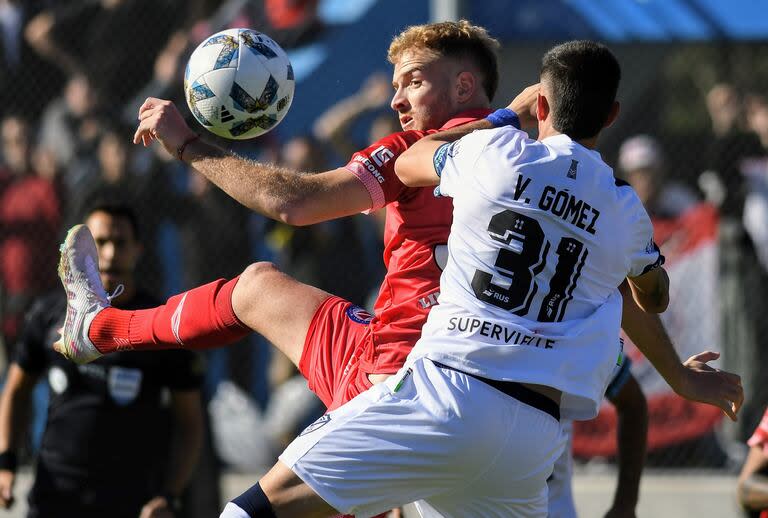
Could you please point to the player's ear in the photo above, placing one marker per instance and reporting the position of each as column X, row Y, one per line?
column 613, row 114
column 542, row 107
column 466, row 83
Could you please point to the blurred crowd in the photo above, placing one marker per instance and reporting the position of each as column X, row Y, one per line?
column 72, row 75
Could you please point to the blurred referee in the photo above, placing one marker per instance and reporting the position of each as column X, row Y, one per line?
column 147, row 402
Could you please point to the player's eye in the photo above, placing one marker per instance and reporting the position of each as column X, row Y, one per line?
column 415, row 82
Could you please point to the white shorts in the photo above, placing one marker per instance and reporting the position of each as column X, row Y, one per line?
column 434, row 435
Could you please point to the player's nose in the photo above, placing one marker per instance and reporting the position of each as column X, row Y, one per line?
column 399, row 101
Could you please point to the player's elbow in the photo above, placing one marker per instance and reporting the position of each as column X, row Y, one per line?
column 294, row 213
column 404, row 170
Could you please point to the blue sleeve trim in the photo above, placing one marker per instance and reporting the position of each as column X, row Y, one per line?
column 441, row 155
column 504, row 117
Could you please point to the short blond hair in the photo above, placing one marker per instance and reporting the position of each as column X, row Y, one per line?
column 452, row 39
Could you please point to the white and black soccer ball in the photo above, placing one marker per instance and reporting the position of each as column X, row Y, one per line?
column 239, row 83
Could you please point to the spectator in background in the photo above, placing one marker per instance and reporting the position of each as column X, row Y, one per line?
column 641, row 161
column 289, row 22
column 101, row 40
column 334, row 126
column 730, row 144
column 79, row 474
column 30, row 218
column 741, row 274
column 64, row 126
column 26, row 81
column 755, row 170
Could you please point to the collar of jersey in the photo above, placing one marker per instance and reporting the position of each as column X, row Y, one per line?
column 562, row 138
column 465, row 117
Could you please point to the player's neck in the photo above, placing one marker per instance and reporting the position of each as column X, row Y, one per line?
column 547, row 130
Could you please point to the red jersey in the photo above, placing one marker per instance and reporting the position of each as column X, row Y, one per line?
column 417, row 223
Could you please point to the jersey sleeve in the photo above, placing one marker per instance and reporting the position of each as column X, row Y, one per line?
column 454, row 159
column 457, row 159
column 644, row 254
column 374, row 166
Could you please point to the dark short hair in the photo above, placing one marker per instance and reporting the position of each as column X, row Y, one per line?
column 583, row 77
column 116, row 209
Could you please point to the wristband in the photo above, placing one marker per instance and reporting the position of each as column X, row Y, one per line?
column 504, row 117
column 183, row 146
column 8, row 461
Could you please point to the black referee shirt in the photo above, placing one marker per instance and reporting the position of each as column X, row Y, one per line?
column 106, row 439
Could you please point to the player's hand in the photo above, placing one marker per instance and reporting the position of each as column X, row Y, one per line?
column 525, row 106
column 7, row 479
column 158, row 507
column 705, row 384
column 160, row 119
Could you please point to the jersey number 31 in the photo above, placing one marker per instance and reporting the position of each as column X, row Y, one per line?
column 523, row 266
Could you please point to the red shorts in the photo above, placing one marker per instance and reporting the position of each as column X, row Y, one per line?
column 337, row 338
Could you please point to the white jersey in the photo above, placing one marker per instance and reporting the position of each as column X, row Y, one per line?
column 542, row 236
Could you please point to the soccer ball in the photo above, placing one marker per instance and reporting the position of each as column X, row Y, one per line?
column 239, row 83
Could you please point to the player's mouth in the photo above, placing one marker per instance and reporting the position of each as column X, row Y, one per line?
column 405, row 120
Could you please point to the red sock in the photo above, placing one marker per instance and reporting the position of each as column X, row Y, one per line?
column 201, row 318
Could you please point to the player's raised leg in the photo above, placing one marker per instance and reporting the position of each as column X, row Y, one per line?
column 262, row 299
column 279, row 489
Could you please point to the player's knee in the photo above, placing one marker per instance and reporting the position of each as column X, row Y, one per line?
column 257, row 273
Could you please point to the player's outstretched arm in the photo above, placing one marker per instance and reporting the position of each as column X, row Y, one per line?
column 651, row 290
column 631, row 435
column 694, row 379
column 279, row 193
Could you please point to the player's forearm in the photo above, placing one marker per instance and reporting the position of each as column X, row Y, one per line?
column 753, row 492
column 278, row 193
column 647, row 333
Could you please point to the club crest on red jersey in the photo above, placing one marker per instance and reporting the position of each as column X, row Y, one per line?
column 358, row 314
